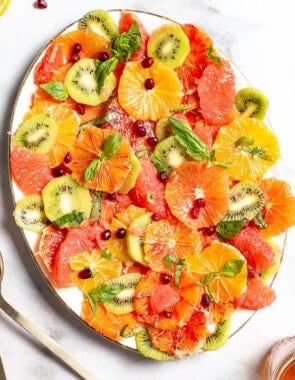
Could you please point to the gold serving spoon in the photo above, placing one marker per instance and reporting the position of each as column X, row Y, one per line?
column 37, row 333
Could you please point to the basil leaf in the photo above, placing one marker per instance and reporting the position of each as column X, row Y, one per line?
column 92, row 169
column 96, row 205
column 259, row 220
column 106, row 254
column 227, row 229
column 72, row 219
column 97, row 121
column 56, row 89
column 105, row 293
column 193, row 145
column 127, row 43
column 103, row 69
column 177, row 272
column 168, row 260
column 206, row 282
column 111, row 146
column 212, row 56
column 232, row 268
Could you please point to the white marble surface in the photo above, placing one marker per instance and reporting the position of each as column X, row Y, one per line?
column 259, row 37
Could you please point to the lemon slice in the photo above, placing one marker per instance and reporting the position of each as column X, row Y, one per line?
column 4, row 4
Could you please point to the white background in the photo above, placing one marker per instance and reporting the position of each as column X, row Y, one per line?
column 258, row 35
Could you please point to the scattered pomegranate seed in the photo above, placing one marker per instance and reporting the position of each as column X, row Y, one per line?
column 42, row 4
column 84, row 274
column 152, row 141
column 68, row 158
column 165, row 278
column 106, row 234
column 156, row 217
column 195, row 211
column 205, row 301
column 60, row 170
column 167, row 314
column 80, row 108
column 121, row 233
column 76, row 48
column 200, row 202
column 112, row 196
column 75, row 58
column 103, row 56
column 149, row 83
column 139, row 128
column 163, row 177
column 147, row 62
column 209, row 231
column 252, row 272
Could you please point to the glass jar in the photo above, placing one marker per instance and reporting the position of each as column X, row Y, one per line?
column 280, row 363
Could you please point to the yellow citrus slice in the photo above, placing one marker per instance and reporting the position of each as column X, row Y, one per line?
column 149, row 103
column 93, row 269
column 4, row 4
column 222, row 269
column 249, row 147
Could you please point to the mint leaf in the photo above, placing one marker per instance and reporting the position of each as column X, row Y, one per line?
column 227, row 229
column 105, row 293
column 106, row 254
column 56, row 89
column 103, row 69
column 178, row 270
column 259, row 220
column 127, row 43
column 72, row 219
column 111, row 146
column 247, row 145
column 212, row 56
column 92, row 169
column 186, row 137
column 206, row 281
column 232, row 268
column 168, row 260
column 244, row 142
column 97, row 121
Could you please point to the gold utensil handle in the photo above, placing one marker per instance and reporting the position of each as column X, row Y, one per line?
column 48, row 342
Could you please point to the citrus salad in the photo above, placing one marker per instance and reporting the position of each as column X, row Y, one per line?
column 143, row 169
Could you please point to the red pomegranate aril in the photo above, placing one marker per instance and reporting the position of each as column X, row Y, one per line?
column 112, row 196
column 80, row 108
column 76, row 48
column 42, row 4
column 106, row 234
column 167, row 314
column 152, row 141
column 200, row 202
column 156, row 217
column 163, row 177
column 121, row 233
column 195, row 211
column 147, row 62
column 165, row 278
column 68, row 158
column 209, row 231
column 60, row 170
column 149, row 83
column 252, row 272
column 139, row 128
column 85, row 273
column 75, row 58
column 103, row 56
column 205, row 301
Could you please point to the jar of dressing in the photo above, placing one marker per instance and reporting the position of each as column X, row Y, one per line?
column 280, row 363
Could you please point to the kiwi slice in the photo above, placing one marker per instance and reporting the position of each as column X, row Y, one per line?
column 81, row 83
column 66, row 203
column 170, row 153
column 163, row 129
column 144, row 346
column 100, row 22
column 132, row 176
column 169, row 44
column 219, row 337
column 269, row 273
column 251, row 102
column 38, row 134
column 122, row 303
column 245, row 201
column 29, row 213
column 135, row 235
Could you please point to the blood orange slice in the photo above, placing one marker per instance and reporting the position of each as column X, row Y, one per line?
column 183, row 191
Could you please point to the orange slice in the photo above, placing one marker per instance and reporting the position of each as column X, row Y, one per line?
column 209, row 267
column 4, row 4
column 163, row 238
column 112, row 173
column 249, row 146
column 42, row 107
column 192, row 181
column 149, row 104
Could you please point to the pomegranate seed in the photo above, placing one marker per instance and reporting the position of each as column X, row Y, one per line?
column 60, row 170
column 103, row 56
column 121, row 233
column 147, row 62
column 112, row 196
column 152, row 141
column 42, row 4
column 139, row 128
column 68, row 158
column 205, row 301
column 163, row 177
column 200, row 202
column 195, row 212
column 80, row 108
column 76, row 48
column 75, row 58
column 252, row 273
column 106, row 234
column 209, row 231
column 167, row 314
column 156, row 217
column 84, row 274
column 149, row 83
column 165, row 278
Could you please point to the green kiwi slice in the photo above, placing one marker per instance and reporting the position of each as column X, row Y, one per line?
column 66, row 203
column 132, row 176
column 81, row 83
column 251, row 102
column 135, row 235
column 100, row 22
column 163, row 129
column 219, row 337
column 144, row 346
column 171, row 153
column 169, row 44
column 38, row 134
column 122, row 303
column 245, row 201
column 29, row 213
